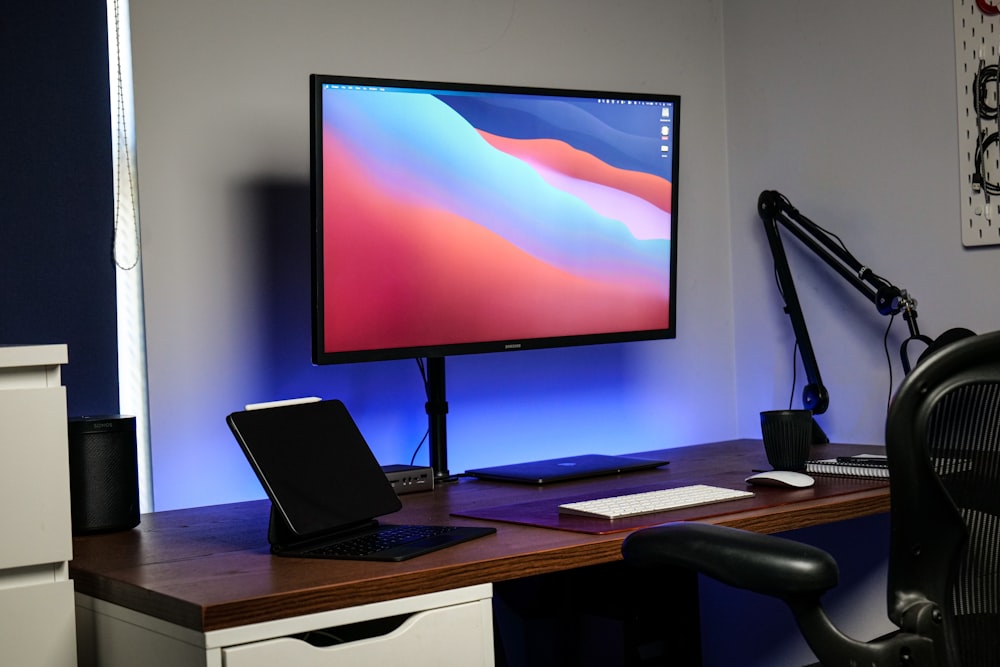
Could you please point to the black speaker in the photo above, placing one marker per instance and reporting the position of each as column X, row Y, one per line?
column 103, row 474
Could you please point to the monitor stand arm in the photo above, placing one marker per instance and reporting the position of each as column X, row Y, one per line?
column 437, row 417
column 774, row 209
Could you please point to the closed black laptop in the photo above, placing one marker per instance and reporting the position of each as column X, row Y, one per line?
column 327, row 489
column 564, row 469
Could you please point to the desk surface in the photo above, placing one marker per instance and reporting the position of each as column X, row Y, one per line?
column 209, row 568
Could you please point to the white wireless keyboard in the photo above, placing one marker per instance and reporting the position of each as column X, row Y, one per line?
column 634, row 504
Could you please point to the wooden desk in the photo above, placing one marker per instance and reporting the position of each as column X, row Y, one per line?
column 209, row 570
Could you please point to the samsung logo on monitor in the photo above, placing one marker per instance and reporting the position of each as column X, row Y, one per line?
column 512, row 346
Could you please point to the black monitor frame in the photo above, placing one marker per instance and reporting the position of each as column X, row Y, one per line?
column 437, row 406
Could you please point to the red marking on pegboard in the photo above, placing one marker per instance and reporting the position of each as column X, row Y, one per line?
column 987, row 8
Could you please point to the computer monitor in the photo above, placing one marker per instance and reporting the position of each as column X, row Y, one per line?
column 468, row 218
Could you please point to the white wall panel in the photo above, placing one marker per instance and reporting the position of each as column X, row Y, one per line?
column 221, row 94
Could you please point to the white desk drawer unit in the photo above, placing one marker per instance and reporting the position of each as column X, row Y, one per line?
column 444, row 637
column 36, row 595
column 447, row 629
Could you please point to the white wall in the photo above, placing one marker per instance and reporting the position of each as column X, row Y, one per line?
column 221, row 108
column 849, row 109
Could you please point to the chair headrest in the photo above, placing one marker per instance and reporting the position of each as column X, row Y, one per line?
column 947, row 338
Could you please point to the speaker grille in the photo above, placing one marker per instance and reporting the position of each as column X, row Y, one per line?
column 104, row 475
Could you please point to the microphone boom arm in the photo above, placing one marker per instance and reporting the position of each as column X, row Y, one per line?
column 774, row 209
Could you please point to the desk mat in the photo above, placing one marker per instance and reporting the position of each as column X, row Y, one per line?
column 545, row 513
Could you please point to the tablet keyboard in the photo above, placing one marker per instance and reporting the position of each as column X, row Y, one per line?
column 649, row 502
column 383, row 539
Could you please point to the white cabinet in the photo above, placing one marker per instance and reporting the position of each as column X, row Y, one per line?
column 36, row 595
column 452, row 628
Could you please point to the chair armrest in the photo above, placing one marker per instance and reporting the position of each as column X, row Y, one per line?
column 761, row 563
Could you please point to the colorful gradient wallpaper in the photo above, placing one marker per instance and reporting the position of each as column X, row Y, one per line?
column 458, row 217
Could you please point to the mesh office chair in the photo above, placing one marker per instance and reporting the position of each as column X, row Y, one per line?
column 943, row 447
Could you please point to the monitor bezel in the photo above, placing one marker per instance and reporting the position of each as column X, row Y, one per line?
column 320, row 356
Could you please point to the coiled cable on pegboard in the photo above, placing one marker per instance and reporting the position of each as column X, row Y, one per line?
column 986, row 75
column 986, row 107
column 980, row 180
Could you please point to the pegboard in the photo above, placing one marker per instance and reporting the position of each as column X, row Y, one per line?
column 977, row 59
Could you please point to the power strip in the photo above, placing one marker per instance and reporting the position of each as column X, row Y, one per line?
column 409, row 479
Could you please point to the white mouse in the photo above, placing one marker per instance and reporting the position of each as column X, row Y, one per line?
column 783, row 478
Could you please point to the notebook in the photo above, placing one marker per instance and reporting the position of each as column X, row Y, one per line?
column 326, row 487
column 864, row 465
column 564, row 469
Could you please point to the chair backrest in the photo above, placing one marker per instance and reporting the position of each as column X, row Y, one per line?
column 943, row 444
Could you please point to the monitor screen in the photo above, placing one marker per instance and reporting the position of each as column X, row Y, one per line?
column 458, row 218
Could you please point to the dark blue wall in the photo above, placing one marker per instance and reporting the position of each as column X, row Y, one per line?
column 57, row 277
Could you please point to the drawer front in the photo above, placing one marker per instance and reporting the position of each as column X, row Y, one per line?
column 456, row 636
column 38, row 627
column 34, row 479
